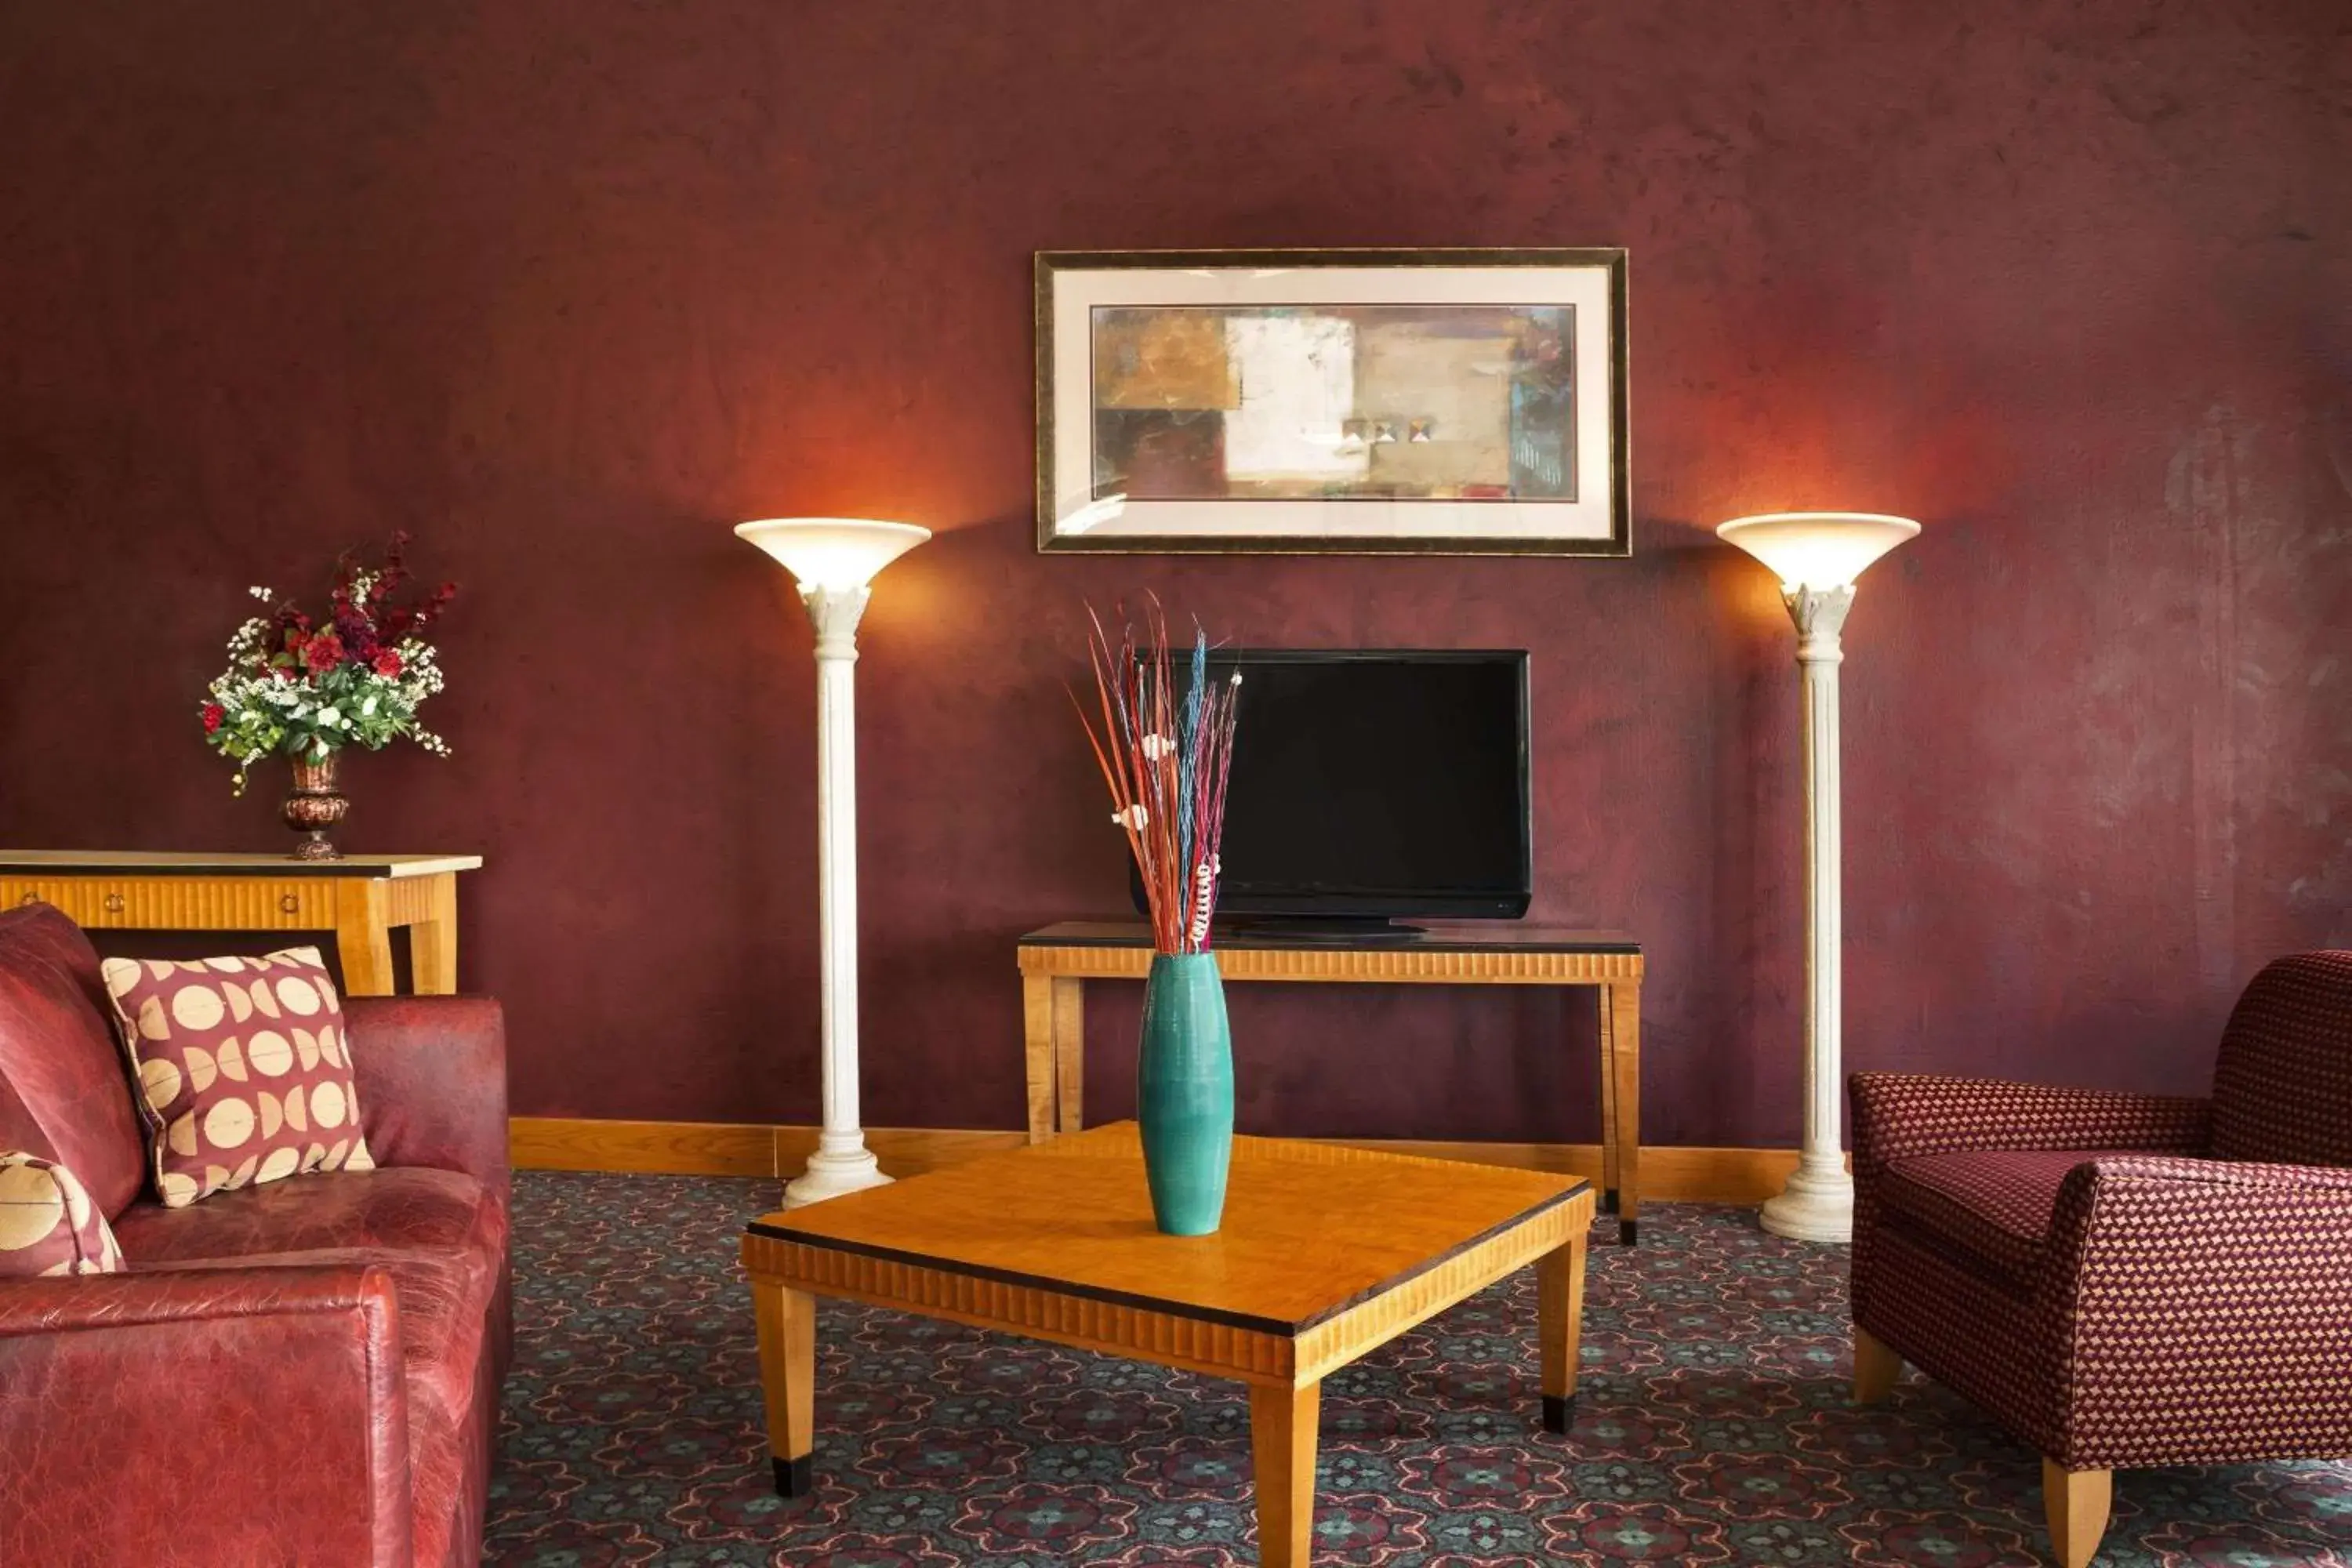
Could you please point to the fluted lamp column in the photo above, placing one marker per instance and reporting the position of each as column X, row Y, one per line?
column 834, row 559
column 1818, row 555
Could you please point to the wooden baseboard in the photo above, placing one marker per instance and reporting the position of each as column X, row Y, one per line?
column 750, row 1149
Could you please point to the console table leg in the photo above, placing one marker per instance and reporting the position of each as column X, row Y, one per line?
column 787, row 1320
column 1037, row 1036
column 1609, row 1173
column 1283, row 1424
column 1623, row 1000
column 1559, row 1328
column 1070, row 1051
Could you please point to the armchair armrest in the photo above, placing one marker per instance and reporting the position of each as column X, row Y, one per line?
column 2197, row 1312
column 203, row 1417
column 1898, row 1116
column 431, row 1079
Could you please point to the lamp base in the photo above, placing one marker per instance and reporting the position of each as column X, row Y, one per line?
column 832, row 1175
column 1815, row 1206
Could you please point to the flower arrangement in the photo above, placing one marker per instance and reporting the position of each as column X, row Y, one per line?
column 304, row 688
column 1165, row 756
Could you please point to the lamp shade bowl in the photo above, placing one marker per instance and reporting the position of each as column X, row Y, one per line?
column 1817, row 549
column 837, row 553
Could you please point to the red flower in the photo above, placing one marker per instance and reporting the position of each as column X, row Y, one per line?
column 214, row 714
column 322, row 653
column 387, row 663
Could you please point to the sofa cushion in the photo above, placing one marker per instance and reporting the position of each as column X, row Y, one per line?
column 48, row 1224
column 1993, row 1205
column 241, row 1069
column 65, row 1095
column 409, row 1207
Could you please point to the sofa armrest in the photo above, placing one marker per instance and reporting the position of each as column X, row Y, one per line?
column 431, row 1079
column 203, row 1417
column 1899, row 1116
column 2196, row 1313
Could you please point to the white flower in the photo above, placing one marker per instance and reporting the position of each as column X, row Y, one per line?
column 329, row 716
column 367, row 708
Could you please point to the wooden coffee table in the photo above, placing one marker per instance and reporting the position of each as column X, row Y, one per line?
column 1326, row 1252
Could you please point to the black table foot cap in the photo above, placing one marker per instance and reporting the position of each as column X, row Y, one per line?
column 1608, row 1200
column 1559, row 1410
column 1626, row 1232
column 796, row 1477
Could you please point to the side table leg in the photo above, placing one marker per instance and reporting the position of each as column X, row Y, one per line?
column 1070, row 1051
column 787, row 1320
column 362, row 939
column 1559, row 1327
column 1624, row 1002
column 1283, row 1423
column 433, row 943
column 1037, row 1041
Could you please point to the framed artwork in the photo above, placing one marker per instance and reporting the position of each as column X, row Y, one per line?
column 1367, row 402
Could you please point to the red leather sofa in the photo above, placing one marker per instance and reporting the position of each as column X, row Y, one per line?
column 306, row 1371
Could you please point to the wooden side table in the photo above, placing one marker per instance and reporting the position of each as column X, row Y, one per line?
column 361, row 898
column 1057, row 962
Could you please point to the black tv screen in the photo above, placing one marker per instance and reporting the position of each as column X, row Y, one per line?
column 1377, row 784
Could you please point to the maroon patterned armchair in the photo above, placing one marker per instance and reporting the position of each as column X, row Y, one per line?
column 2125, row 1280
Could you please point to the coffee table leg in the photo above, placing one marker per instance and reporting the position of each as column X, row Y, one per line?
column 1283, row 1423
column 1560, row 1325
column 788, row 1368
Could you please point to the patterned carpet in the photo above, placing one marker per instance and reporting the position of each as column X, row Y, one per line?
column 1712, row 1428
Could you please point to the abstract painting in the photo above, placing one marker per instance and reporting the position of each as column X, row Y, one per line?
column 1449, row 401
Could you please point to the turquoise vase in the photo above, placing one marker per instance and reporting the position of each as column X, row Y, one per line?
column 1184, row 1092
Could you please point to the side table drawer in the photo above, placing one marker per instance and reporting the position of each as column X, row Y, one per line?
column 180, row 904
column 86, row 901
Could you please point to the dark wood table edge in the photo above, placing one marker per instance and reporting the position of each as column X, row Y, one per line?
column 1442, row 938
column 356, row 866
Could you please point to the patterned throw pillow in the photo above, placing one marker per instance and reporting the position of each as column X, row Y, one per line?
column 241, row 1068
column 47, row 1224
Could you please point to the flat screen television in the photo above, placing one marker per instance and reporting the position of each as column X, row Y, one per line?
column 1376, row 784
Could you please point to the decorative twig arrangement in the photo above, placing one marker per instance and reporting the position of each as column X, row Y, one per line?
column 1165, row 755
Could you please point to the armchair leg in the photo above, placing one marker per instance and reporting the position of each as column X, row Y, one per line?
column 1875, row 1368
column 2077, row 1501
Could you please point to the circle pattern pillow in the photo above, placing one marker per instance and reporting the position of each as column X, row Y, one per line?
column 47, row 1224
column 242, row 1071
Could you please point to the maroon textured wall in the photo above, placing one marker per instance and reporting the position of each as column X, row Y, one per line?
column 567, row 289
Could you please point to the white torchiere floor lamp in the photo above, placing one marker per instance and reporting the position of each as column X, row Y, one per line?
column 834, row 559
column 1818, row 555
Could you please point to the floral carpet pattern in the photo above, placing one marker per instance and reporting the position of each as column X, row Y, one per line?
column 1712, row 1427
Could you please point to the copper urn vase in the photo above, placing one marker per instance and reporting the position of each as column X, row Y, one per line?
column 315, row 806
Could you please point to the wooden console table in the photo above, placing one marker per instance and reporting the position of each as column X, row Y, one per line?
column 1057, row 962
column 361, row 898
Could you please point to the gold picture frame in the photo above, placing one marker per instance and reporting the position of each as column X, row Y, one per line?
column 1455, row 402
